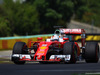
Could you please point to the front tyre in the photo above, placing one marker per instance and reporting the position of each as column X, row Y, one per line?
column 70, row 49
column 19, row 62
column 19, row 48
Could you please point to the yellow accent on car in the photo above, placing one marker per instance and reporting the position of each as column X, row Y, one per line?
column 43, row 47
column 40, row 51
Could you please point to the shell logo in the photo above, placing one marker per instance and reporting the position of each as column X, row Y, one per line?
column 43, row 47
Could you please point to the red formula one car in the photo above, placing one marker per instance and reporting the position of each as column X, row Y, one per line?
column 59, row 48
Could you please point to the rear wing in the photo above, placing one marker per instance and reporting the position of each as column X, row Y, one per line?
column 72, row 31
column 75, row 32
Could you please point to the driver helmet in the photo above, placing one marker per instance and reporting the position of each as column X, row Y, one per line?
column 57, row 32
column 56, row 35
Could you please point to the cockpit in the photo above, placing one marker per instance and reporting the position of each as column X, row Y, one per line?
column 58, row 36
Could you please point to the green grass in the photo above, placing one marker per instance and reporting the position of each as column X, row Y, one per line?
column 5, row 50
column 3, row 61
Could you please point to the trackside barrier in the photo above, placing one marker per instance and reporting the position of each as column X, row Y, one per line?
column 89, row 37
column 8, row 42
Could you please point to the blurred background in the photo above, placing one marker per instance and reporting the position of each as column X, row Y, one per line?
column 31, row 17
column 25, row 20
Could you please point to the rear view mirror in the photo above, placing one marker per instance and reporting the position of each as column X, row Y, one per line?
column 39, row 38
column 65, row 38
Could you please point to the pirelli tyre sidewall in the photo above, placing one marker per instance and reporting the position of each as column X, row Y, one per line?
column 70, row 49
column 19, row 48
column 92, row 52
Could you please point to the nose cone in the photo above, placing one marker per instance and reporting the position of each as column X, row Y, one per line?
column 39, row 57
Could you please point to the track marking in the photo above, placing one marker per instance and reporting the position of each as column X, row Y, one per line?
column 98, row 71
column 86, row 72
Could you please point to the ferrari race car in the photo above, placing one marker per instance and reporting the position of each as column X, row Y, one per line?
column 61, row 47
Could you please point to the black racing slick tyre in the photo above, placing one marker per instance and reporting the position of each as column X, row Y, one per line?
column 70, row 49
column 19, row 48
column 92, row 52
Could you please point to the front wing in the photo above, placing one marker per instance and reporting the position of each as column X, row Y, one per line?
column 53, row 58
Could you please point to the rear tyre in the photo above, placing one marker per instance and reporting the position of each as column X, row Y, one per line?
column 19, row 48
column 70, row 49
column 92, row 52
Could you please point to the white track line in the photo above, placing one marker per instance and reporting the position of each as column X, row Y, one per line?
column 69, row 70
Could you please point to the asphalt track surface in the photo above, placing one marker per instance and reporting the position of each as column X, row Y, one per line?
column 30, row 68
column 80, row 68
